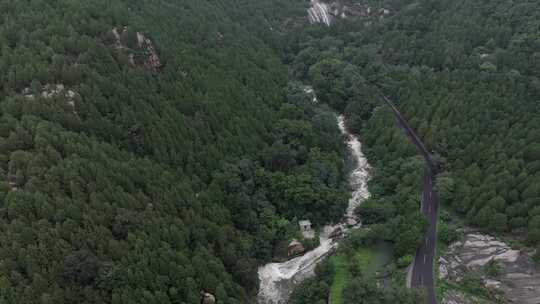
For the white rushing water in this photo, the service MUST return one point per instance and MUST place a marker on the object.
(278, 279)
(319, 12)
(359, 176)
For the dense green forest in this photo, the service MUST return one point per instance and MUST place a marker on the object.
(332, 60)
(153, 150)
(466, 76)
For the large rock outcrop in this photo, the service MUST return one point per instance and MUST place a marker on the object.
(139, 48)
(518, 279)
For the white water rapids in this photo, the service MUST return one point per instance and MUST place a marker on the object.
(278, 279)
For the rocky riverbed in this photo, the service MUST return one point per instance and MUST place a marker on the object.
(516, 279)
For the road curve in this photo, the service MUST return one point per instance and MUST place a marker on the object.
(424, 260)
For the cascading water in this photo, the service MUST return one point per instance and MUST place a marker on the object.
(359, 176)
(278, 279)
(319, 12)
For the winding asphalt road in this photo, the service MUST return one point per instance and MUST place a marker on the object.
(421, 274)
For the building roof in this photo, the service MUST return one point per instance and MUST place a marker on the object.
(295, 242)
(304, 223)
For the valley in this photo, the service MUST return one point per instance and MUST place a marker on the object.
(172, 152)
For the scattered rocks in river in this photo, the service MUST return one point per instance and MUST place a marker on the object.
(518, 279)
(337, 233)
(279, 279)
(295, 248)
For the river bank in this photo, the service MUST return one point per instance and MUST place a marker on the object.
(277, 280)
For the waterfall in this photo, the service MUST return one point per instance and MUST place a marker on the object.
(277, 280)
(319, 12)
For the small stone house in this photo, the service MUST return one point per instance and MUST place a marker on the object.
(306, 230)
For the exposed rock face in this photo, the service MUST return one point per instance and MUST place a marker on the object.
(492, 284)
(310, 92)
(208, 298)
(362, 10)
(443, 268)
(455, 297)
(49, 91)
(519, 280)
(148, 59)
(152, 60)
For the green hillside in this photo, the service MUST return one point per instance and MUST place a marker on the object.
(151, 150)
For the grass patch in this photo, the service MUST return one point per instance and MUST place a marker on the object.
(341, 278)
(446, 218)
(364, 259)
(474, 297)
(440, 284)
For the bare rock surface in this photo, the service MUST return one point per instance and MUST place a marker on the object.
(49, 91)
(456, 297)
(311, 93)
(519, 279)
(149, 58)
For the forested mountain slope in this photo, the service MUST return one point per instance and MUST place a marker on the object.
(473, 96)
(151, 150)
(467, 77)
